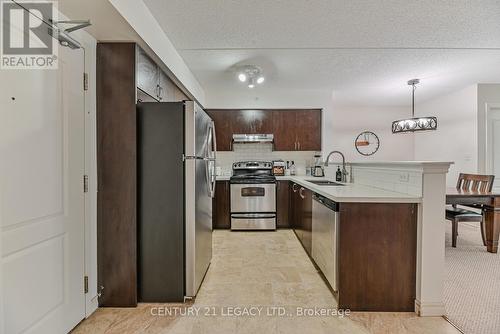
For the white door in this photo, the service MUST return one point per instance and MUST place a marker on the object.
(493, 145)
(41, 197)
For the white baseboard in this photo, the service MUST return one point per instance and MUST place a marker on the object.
(429, 309)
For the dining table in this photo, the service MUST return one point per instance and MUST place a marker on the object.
(489, 201)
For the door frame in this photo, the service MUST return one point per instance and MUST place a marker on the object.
(489, 108)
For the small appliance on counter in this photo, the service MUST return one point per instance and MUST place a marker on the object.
(317, 169)
(278, 167)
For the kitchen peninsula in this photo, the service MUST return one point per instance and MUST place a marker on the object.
(385, 216)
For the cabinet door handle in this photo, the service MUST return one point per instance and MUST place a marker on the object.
(293, 187)
(298, 145)
(300, 193)
(160, 90)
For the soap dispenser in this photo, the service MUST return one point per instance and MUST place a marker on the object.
(338, 175)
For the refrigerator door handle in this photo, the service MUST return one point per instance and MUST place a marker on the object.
(214, 141)
(191, 157)
(210, 159)
(214, 138)
(208, 162)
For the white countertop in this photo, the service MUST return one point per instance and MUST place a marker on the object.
(350, 192)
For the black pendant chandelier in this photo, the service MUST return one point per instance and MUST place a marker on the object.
(414, 123)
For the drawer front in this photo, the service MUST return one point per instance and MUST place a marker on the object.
(253, 222)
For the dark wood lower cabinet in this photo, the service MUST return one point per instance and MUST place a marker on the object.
(301, 214)
(306, 218)
(221, 216)
(377, 257)
(283, 204)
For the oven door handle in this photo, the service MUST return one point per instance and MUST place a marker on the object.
(253, 215)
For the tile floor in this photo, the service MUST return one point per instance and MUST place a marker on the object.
(257, 271)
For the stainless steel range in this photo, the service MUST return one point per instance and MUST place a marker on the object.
(253, 196)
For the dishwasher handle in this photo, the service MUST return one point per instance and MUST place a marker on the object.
(332, 205)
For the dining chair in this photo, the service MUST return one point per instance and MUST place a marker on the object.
(474, 183)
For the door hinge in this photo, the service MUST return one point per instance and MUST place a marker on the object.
(85, 183)
(85, 284)
(85, 81)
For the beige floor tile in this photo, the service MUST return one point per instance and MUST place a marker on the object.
(258, 269)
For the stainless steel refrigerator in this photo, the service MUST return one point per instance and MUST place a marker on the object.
(176, 184)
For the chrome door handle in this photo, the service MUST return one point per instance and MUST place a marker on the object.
(214, 138)
(300, 193)
(293, 187)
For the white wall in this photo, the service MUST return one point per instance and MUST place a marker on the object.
(456, 137)
(341, 126)
(486, 94)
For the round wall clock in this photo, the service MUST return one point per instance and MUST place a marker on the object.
(367, 143)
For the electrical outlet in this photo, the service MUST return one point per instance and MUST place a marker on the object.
(404, 177)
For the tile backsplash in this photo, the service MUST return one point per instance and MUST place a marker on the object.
(262, 152)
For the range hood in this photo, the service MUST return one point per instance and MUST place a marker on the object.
(254, 138)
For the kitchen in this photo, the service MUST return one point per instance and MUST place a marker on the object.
(261, 177)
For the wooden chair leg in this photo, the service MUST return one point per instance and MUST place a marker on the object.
(483, 232)
(454, 233)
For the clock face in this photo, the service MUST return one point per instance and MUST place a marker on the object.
(367, 143)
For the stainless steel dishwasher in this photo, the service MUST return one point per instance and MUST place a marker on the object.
(325, 236)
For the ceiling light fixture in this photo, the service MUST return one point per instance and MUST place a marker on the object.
(414, 123)
(242, 77)
(251, 82)
(251, 75)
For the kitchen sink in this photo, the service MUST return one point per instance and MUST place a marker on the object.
(325, 183)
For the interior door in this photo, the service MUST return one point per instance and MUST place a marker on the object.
(493, 145)
(41, 197)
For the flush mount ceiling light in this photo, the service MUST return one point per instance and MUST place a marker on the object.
(414, 123)
(251, 75)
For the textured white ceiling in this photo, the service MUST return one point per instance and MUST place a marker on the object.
(327, 23)
(361, 52)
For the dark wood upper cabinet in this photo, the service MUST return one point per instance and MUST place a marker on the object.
(252, 121)
(284, 130)
(154, 84)
(223, 131)
(294, 130)
(148, 75)
(166, 88)
(308, 130)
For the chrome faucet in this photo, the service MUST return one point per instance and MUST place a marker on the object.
(344, 170)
